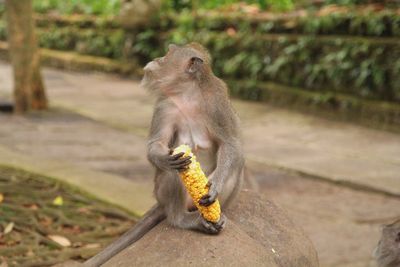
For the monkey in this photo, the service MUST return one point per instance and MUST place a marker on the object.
(192, 108)
(387, 252)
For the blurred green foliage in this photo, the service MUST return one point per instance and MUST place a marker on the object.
(254, 51)
(179, 5)
(366, 68)
(111, 7)
(347, 2)
(92, 7)
(354, 52)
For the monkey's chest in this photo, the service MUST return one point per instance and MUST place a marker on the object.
(194, 134)
(191, 129)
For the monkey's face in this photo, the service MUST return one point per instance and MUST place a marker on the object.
(181, 64)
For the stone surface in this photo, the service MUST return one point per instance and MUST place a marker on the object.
(258, 233)
(343, 223)
(132, 196)
(335, 151)
(263, 221)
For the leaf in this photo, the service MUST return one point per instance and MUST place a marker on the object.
(58, 201)
(1, 197)
(33, 207)
(61, 240)
(93, 245)
(8, 228)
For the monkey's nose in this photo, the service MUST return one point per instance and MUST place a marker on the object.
(150, 66)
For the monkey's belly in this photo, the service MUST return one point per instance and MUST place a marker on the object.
(190, 206)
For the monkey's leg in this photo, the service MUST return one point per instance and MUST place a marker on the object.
(145, 224)
(231, 188)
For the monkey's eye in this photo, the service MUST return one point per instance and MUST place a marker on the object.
(398, 237)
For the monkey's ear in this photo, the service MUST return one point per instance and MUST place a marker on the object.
(195, 64)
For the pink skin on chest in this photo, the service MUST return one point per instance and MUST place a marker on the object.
(190, 123)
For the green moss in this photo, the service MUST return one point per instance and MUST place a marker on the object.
(101, 42)
(352, 22)
(3, 33)
(358, 66)
(377, 114)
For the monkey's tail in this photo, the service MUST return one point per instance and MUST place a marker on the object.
(146, 223)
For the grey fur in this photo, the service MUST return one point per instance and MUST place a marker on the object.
(215, 113)
(387, 253)
(191, 99)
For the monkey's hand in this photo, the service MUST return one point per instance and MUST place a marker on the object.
(212, 195)
(177, 162)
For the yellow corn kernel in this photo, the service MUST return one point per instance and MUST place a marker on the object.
(195, 182)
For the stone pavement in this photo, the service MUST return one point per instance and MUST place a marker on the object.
(100, 121)
(343, 223)
(336, 151)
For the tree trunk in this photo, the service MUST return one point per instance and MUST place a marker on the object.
(29, 92)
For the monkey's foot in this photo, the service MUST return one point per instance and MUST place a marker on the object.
(221, 223)
(208, 227)
(213, 228)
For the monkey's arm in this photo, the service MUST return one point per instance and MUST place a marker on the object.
(229, 161)
(160, 155)
(158, 150)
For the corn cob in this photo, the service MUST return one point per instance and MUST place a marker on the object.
(195, 182)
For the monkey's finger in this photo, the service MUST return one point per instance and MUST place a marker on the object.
(209, 227)
(179, 159)
(206, 200)
(209, 198)
(221, 223)
(180, 166)
(182, 169)
(209, 183)
(177, 156)
(184, 161)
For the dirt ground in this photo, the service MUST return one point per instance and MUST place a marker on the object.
(343, 223)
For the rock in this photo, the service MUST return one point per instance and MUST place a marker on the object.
(258, 233)
(387, 253)
(262, 220)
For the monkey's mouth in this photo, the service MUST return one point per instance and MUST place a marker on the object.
(151, 66)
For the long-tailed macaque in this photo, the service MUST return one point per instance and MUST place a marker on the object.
(192, 108)
(387, 253)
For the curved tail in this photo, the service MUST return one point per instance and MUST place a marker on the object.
(145, 224)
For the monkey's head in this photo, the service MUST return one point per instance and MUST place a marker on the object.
(181, 66)
(387, 253)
